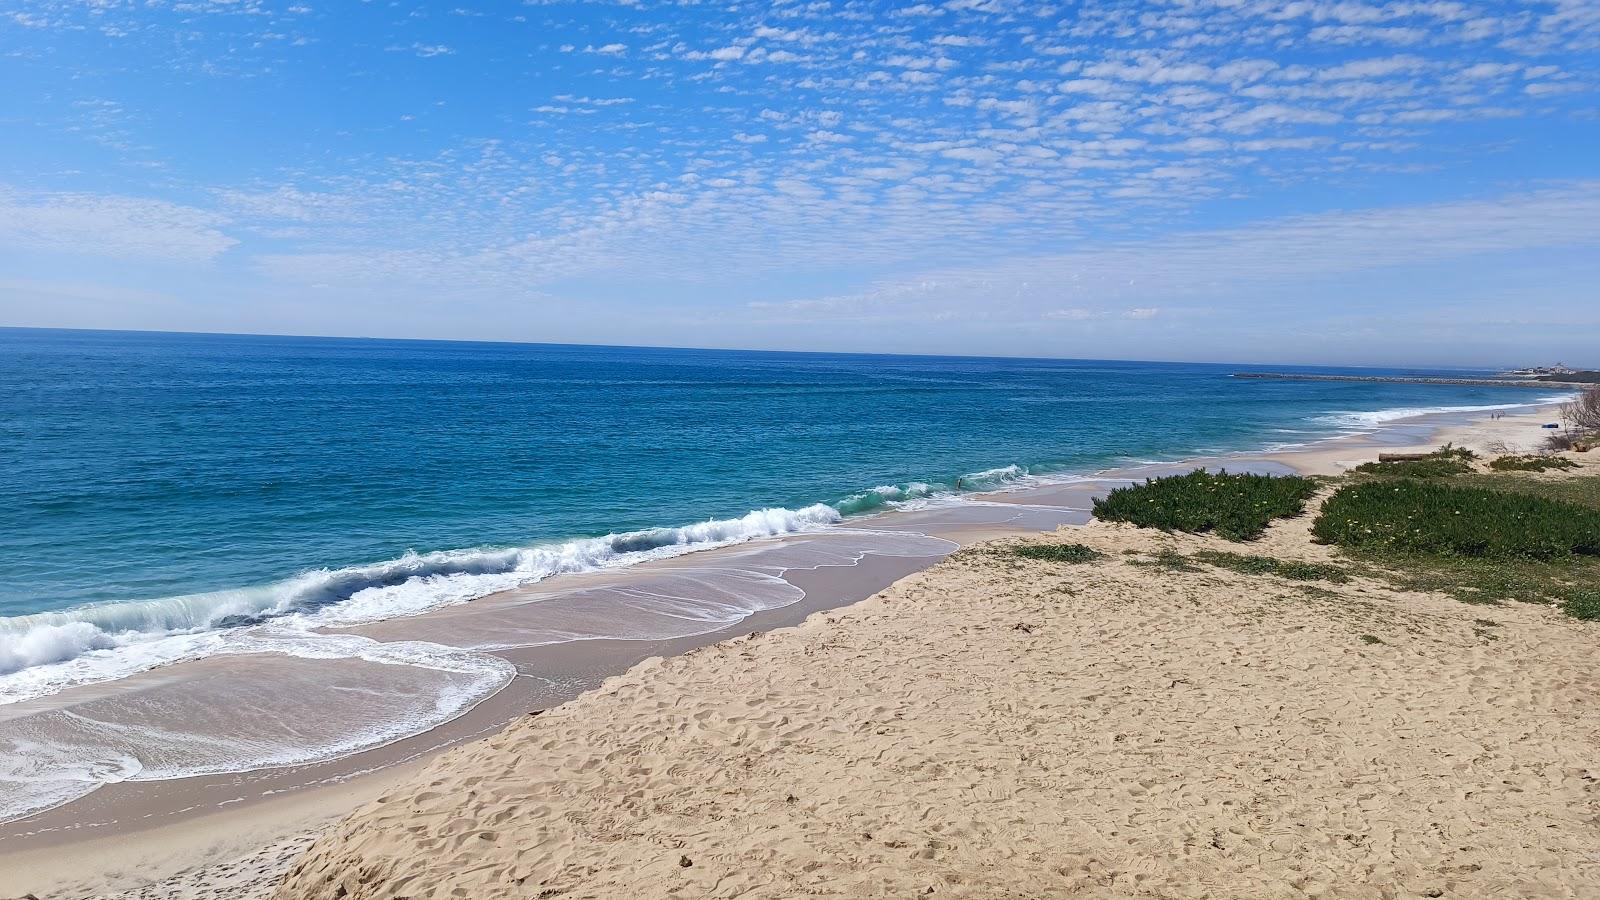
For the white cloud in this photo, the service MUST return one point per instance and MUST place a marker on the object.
(707, 150)
(1270, 114)
(1218, 265)
(1374, 68)
(88, 225)
(1075, 314)
(981, 155)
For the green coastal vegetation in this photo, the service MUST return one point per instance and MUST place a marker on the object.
(1499, 538)
(1414, 516)
(1237, 507)
(1165, 560)
(1061, 553)
(1293, 570)
(1441, 463)
(1531, 463)
(1435, 522)
(1582, 490)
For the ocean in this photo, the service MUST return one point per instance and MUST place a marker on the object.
(176, 497)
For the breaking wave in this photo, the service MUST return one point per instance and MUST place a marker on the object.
(113, 640)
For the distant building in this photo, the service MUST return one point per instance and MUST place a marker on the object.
(1537, 371)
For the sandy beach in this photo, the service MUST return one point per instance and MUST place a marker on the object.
(986, 727)
(969, 448)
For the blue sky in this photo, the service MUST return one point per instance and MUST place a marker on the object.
(1312, 180)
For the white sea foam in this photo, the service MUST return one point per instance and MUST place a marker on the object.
(260, 714)
(128, 654)
(919, 495)
(52, 756)
(993, 478)
(40, 774)
(888, 495)
(47, 652)
(1368, 420)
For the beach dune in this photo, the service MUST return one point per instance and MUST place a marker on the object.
(997, 727)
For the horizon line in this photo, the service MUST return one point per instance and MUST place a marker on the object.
(529, 343)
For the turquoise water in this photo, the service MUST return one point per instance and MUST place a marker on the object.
(163, 483)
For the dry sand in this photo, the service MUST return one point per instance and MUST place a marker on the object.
(1518, 433)
(1000, 728)
(994, 727)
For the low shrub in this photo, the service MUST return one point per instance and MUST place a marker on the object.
(1423, 517)
(1237, 507)
(1441, 463)
(1558, 442)
(1415, 468)
(1531, 463)
(1293, 570)
(1061, 553)
(1583, 411)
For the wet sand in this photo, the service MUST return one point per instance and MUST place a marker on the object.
(136, 832)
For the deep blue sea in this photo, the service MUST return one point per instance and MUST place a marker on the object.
(161, 483)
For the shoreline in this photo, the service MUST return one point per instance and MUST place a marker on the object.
(1141, 715)
(191, 837)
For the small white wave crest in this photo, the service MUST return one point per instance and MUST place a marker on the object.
(914, 495)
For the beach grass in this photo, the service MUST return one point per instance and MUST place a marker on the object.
(1237, 507)
(1059, 553)
(1531, 463)
(1165, 560)
(1293, 570)
(1567, 583)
